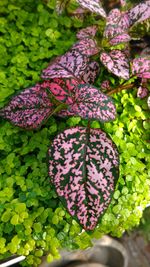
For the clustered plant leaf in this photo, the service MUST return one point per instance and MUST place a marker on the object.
(83, 162)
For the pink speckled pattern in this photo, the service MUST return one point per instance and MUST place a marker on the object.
(91, 72)
(142, 92)
(121, 38)
(91, 104)
(72, 64)
(105, 85)
(87, 32)
(141, 67)
(93, 5)
(139, 13)
(83, 166)
(62, 89)
(118, 18)
(117, 26)
(116, 62)
(87, 47)
(29, 108)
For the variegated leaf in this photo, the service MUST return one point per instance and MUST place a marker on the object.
(112, 31)
(139, 13)
(29, 109)
(141, 67)
(118, 18)
(62, 89)
(117, 63)
(88, 32)
(84, 168)
(93, 5)
(91, 72)
(72, 64)
(91, 103)
(142, 92)
(117, 24)
(87, 47)
(105, 85)
(122, 38)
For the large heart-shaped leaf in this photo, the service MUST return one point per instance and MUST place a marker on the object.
(87, 47)
(93, 5)
(139, 13)
(72, 64)
(90, 103)
(141, 67)
(28, 109)
(87, 32)
(116, 62)
(83, 166)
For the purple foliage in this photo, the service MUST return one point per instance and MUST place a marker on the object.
(87, 32)
(83, 166)
(112, 31)
(142, 92)
(91, 72)
(105, 85)
(117, 26)
(29, 108)
(118, 18)
(62, 89)
(139, 13)
(87, 47)
(93, 5)
(116, 62)
(72, 64)
(90, 103)
(141, 67)
(122, 38)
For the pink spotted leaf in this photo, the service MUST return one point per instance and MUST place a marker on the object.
(91, 103)
(93, 5)
(116, 62)
(62, 89)
(142, 92)
(91, 72)
(141, 67)
(72, 64)
(87, 47)
(88, 32)
(122, 38)
(139, 13)
(29, 109)
(118, 19)
(84, 168)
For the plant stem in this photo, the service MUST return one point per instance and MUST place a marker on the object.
(120, 88)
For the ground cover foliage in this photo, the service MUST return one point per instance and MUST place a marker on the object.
(33, 220)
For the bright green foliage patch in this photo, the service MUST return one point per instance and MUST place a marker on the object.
(33, 222)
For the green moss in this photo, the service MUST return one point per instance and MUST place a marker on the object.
(32, 219)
